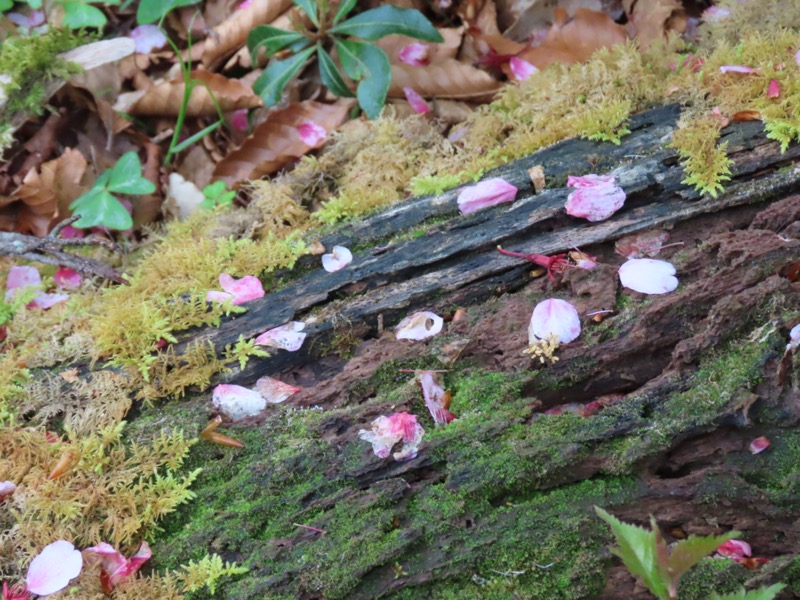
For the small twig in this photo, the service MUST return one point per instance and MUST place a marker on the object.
(310, 527)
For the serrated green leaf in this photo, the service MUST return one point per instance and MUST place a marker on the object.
(344, 9)
(639, 550)
(150, 11)
(126, 176)
(78, 14)
(387, 19)
(759, 594)
(104, 210)
(272, 38)
(310, 8)
(330, 75)
(687, 553)
(272, 81)
(371, 92)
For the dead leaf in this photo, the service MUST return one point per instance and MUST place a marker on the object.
(70, 375)
(96, 54)
(653, 19)
(447, 79)
(536, 173)
(746, 115)
(519, 19)
(392, 44)
(639, 245)
(276, 142)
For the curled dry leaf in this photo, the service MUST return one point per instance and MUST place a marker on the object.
(639, 245)
(276, 142)
(447, 79)
(653, 19)
(166, 97)
(231, 34)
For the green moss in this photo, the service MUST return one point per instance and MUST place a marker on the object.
(712, 575)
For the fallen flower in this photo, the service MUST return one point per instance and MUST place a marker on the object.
(237, 402)
(419, 326)
(115, 568)
(415, 54)
(759, 444)
(555, 264)
(521, 69)
(437, 400)
(67, 278)
(648, 276)
(417, 102)
(554, 317)
(736, 69)
(53, 568)
(7, 488)
(23, 276)
(339, 258)
(147, 38)
(238, 290)
(773, 89)
(286, 337)
(274, 391)
(311, 133)
(485, 194)
(596, 197)
(639, 245)
(388, 431)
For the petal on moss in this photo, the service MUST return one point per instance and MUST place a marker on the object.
(239, 290)
(419, 326)
(417, 102)
(385, 432)
(339, 258)
(53, 568)
(774, 89)
(554, 317)
(648, 276)
(275, 391)
(736, 69)
(311, 133)
(485, 194)
(415, 54)
(115, 568)
(286, 337)
(20, 277)
(7, 488)
(521, 69)
(67, 278)
(237, 402)
(437, 400)
(759, 444)
(596, 197)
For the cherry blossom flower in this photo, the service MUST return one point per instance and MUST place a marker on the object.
(419, 326)
(736, 69)
(773, 89)
(239, 120)
(148, 38)
(596, 197)
(521, 69)
(639, 245)
(311, 133)
(758, 445)
(339, 258)
(485, 194)
(53, 568)
(436, 399)
(286, 337)
(385, 432)
(414, 54)
(115, 568)
(794, 338)
(15, 592)
(417, 102)
(23, 276)
(275, 391)
(555, 264)
(7, 488)
(648, 276)
(67, 278)
(238, 290)
(237, 402)
(554, 317)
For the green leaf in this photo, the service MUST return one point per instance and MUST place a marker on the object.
(272, 81)
(344, 9)
(102, 210)
(5, 5)
(639, 550)
(272, 38)
(88, 198)
(310, 8)
(387, 19)
(77, 14)
(330, 75)
(150, 11)
(687, 553)
(126, 176)
(759, 594)
(351, 64)
(371, 92)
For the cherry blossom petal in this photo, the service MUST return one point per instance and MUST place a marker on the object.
(648, 276)
(773, 89)
(735, 548)
(311, 133)
(147, 38)
(736, 69)
(485, 194)
(417, 102)
(53, 568)
(215, 296)
(797, 58)
(339, 258)
(286, 337)
(6, 489)
(45, 301)
(415, 54)
(385, 432)
(419, 326)
(67, 278)
(521, 69)
(794, 338)
(20, 277)
(245, 5)
(69, 232)
(240, 290)
(554, 317)
(639, 245)
(714, 14)
(759, 445)
(275, 391)
(581, 260)
(115, 568)
(239, 120)
(436, 399)
(237, 402)
(596, 197)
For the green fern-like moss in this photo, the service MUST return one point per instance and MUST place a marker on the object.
(705, 161)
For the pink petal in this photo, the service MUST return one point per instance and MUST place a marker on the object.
(415, 54)
(244, 5)
(388, 431)
(648, 276)
(595, 198)
(20, 277)
(797, 58)
(215, 296)
(714, 14)
(794, 338)
(436, 398)
(245, 289)
(237, 402)
(285, 337)
(148, 38)
(53, 568)
(417, 102)
(521, 69)
(736, 69)
(7, 488)
(311, 133)
(274, 391)
(339, 258)
(638, 245)
(759, 445)
(116, 568)
(485, 194)
(419, 326)
(554, 316)
(584, 261)
(45, 301)
(67, 278)
(69, 232)
(774, 89)
(239, 120)
(735, 548)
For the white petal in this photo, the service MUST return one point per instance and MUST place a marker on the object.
(794, 338)
(339, 258)
(554, 317)
(419, 326)
(53, 568)
(285, 337)
(237, 402)
(648, 276)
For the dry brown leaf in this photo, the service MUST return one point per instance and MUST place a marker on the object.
(481, 19)
(276, 142)
(242, 58)
(450, 112)
(232, 33)
(392, 44)
(165, 98)
(447, 79)
(519, 19)
(70, 375)
(653, 19)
